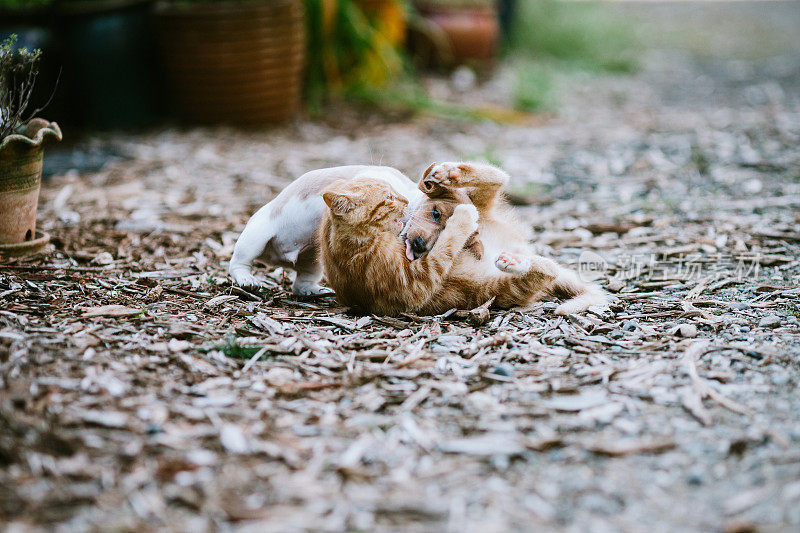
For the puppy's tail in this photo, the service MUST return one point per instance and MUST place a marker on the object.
(580, 294)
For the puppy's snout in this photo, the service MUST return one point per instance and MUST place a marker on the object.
(418, 246)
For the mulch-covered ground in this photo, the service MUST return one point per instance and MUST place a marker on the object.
(140, 390)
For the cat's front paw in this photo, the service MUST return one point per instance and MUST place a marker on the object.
(512, 263)
(468, 215)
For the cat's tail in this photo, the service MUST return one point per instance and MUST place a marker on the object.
(580, 294)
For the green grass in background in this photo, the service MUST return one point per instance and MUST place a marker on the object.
(533, 86)
(584, 34)
(552, 39)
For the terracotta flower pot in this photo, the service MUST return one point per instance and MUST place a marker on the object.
(20, 179)
(234, 62)
(459, 33)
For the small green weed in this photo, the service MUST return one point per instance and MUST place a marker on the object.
(233, 347)
(792, 311)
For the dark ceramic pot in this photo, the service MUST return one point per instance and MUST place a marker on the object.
(20, 179)
(110, 74)
(233, 62)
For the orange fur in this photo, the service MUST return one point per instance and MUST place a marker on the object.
(365, 263)
(363, 257)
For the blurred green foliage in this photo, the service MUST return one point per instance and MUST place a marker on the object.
(407, 95)
(585, 34)
(345, 50)
(533, 86)
(552, 39)
(16, 4)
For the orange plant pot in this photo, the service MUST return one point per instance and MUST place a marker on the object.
(465, 33)
(20, 180)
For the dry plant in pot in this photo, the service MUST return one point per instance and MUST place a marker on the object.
(22, 140)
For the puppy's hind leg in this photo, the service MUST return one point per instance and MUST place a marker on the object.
(309, 274)
(250, 246)
(538, 274)
(582, 295)
(530, 275)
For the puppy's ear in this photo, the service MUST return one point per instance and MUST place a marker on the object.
(428, 187)
(338, 203)
(432, 188)
(428, 170)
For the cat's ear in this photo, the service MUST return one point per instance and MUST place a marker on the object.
(338, 203)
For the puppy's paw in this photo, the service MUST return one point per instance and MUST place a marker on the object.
(245, 279)
(469, 214)
(446, 173)
(310, 289)
(512, 263)
(442, 174)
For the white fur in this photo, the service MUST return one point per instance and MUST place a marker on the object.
(472, 213)
(288, 239)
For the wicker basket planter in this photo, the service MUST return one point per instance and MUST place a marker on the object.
(233, 62)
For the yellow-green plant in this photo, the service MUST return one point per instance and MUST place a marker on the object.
(345, 50)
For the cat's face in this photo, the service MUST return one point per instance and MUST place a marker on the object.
(366, 204)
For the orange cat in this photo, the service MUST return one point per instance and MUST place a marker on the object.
(428, 271)
(363, 257)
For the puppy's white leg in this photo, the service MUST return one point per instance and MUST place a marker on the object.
(309, 274)
(249, 246)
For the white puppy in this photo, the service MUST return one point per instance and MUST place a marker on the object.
(283, 232)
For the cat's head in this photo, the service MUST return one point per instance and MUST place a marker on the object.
(429, 217)
(366, 204)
